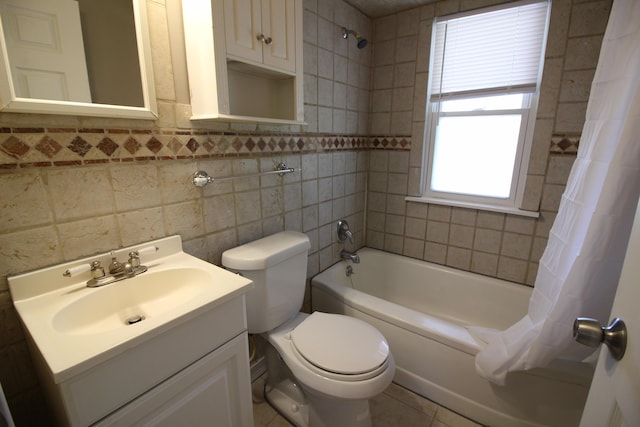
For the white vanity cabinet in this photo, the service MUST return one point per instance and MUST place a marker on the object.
(261, 32)
(161, 346)
(244, 60)
(209, 392)
(196, 374)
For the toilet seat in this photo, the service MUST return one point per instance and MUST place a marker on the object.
(340, 347)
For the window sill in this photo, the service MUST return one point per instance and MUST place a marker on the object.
(481, 206)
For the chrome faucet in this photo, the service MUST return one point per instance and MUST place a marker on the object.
(345, 254)
(344, 232)
(117, 270)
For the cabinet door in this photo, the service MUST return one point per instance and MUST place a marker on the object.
(242, 27)
(279, 24)
(215, 390)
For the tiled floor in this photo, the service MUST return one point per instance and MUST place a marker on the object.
(396, 407)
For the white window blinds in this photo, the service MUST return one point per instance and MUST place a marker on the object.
(499, 49)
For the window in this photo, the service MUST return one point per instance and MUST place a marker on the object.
(483, 90)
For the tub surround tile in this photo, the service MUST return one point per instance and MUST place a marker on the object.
(458, 258)
(484, 263)
(512, 269)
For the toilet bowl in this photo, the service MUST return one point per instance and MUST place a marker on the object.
(321, 368)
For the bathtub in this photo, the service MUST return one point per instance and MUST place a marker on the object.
(422, 310)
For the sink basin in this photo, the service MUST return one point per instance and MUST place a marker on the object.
(126, 303)
(75, 327)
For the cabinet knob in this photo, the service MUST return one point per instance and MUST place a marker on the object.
(266, 40)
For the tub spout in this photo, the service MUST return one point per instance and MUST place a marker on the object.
(345, 254)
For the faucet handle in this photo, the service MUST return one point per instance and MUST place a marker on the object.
(97, 270)
(344, 232)
(115, 266)
(134, 259)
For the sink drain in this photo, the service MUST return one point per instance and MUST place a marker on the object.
(134, 319)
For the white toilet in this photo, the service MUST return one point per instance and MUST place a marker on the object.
(321, 368)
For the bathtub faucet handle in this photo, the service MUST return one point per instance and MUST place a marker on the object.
(344, 232)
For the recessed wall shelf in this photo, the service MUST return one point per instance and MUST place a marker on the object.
(244, 60)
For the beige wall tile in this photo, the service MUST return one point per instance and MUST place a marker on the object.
(29, 249)
(458, 258)
(512, 269)
(484, 263)
(91, 188)
(141, 225)
(487, 240)
(516, 245)
(415, 228)
(393, 243)
(559, 169)
(272, 200)
(435, 252)
(25, 202)
(464, 216)
(570, 117)
(185, 219)
(135, 187)
(247, 207)
(589, 18)
(438, 232)
(558, 28)
(88, 236)
(582, 52)
(219, 213)
(461, 236)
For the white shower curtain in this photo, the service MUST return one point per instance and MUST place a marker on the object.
(581, 264)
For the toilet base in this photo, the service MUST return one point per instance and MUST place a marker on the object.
(283, 397)
(306, 408)
(325, 412)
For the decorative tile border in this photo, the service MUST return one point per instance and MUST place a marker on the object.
(563, 144)
(45, 147)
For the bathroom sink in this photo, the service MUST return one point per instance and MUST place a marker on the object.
(128, 302)
(76, 327)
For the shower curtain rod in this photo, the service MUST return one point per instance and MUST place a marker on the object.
(201, 178)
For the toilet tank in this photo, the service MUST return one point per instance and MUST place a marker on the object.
(277, 264)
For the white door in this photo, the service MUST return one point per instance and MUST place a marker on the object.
(46, 52)
(614, 397)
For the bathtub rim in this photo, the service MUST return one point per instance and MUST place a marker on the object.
(457, 337)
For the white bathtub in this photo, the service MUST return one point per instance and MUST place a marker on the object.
(422, 310)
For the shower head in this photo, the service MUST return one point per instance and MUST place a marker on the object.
(361, 41)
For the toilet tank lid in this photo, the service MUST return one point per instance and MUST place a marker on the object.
(266, 252)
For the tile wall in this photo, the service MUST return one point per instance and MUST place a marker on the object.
(73, 186)
(494, 244)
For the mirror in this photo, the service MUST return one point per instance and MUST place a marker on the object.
(79, 57)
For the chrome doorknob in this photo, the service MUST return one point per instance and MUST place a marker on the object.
(589, 332)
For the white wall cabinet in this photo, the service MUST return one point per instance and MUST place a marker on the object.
(261, 32)
(244, 59)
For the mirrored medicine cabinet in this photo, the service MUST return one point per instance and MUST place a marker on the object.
(76, 57)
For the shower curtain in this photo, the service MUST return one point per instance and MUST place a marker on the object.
(580, 267)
